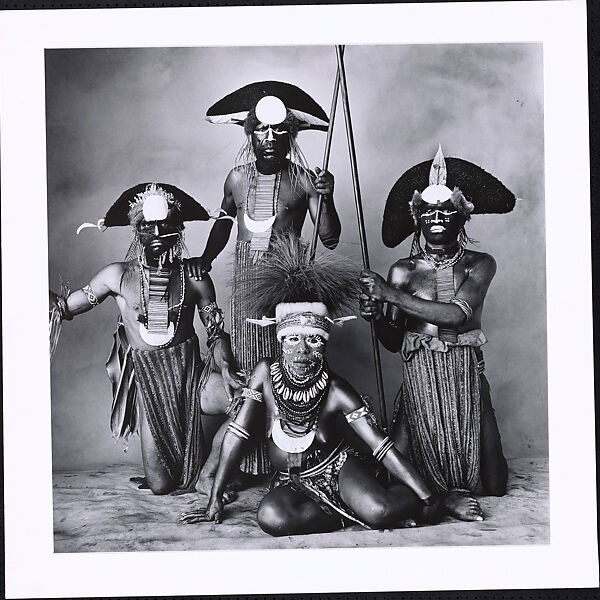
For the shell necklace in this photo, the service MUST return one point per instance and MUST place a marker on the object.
(445, 263)
(156, 330)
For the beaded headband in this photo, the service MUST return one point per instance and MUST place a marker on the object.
(304, 323)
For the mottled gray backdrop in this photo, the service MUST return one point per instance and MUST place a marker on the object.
(118, 117)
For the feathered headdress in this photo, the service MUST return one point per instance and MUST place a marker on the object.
(471, 189)
(304, 294)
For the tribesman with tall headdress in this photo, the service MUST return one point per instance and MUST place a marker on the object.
(269, 191)
(296, 401)
(444, 416)
(160, 384)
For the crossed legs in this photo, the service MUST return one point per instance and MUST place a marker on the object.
(284, 511)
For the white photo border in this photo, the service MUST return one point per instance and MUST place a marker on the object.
(33, 570)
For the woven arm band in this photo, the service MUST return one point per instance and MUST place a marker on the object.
(383, 448)
(464, 306)
(90, 295)
(252, 394)
(238, 431)
(359, 413)
(214, 322)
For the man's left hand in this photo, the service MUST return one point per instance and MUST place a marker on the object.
(324, 182)
(374, 285)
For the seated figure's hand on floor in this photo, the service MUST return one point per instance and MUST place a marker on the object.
(213, 512)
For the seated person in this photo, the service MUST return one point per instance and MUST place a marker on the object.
(156, 355)
(294, 399)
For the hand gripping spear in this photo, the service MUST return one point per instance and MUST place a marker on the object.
(340, 84)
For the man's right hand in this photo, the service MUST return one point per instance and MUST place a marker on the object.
(213, 512)
(370, 310)
(197, 267)
(53, 299)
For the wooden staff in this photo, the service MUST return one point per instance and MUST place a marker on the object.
(361, 223)
(336, 89)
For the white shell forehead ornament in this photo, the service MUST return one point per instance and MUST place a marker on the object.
(270, 110)
(155, 202)
(437, 192)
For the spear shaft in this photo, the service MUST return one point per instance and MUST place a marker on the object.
(336, 89)
(361, 222)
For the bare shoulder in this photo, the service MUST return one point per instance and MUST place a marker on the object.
(111, 276)
(480, 261)
(234, 179)
(305, 179)
(399, 272)
(260, 373)
(343, 396)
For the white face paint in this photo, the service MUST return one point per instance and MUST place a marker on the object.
(441, 224)
(303, 354)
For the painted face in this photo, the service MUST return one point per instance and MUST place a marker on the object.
(271, 143)
(441, 223)
(303, 354)
(158, 237)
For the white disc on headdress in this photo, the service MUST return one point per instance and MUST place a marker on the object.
(436, 193)
(155, 208)
(270, 110)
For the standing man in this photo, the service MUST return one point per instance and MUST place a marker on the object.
(269, 191)
(156, 356)
(444, 416)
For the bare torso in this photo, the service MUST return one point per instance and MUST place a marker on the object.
(327, 434)
(420, 281)
(114, 280)
(292, 203)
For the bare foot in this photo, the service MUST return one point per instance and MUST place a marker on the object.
(407, 523)
(141, 482)
(229, 495)
(462, 507)
(182, 491)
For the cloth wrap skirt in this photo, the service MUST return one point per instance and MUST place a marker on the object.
(440, 402)
(167, 383)
(319, 482)
(249, 342)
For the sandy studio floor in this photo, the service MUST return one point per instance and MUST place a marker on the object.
(100, 510)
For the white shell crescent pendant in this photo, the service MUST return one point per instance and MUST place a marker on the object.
(258, 226)
(287, 443)
(157, 339)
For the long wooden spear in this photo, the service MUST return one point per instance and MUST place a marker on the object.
(336, 90)
(361, 223)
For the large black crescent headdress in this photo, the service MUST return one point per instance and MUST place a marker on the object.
(234, 107)
(189, 209)
(486, 193)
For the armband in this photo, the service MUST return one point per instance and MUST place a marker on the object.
(363, 411)
(214, 321)
(238, 431)
(464, 306)
(252, 394)
(383, 448)
(359, 413)
(89, 294)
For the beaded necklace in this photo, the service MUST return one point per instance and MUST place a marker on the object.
(298, 403)
(144, 281)
(445, 263)
(262, 190)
